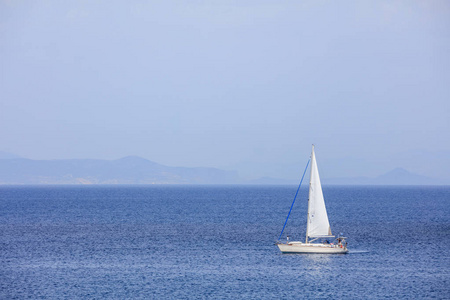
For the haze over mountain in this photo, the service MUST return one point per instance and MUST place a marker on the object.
(127, 170)
(397, 176)
(137, 170)
(7, 155)
(233, 85)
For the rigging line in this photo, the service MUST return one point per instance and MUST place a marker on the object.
(294, 199)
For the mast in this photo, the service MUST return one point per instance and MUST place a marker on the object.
(309, 194)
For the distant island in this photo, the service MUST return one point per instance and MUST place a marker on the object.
(127, 170)
(137, 170)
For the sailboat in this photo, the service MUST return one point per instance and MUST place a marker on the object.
(318, 230)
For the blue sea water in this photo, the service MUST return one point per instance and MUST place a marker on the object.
(217, 242)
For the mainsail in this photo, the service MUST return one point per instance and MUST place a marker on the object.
(317, 225)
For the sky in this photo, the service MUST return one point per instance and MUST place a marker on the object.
(240, 85)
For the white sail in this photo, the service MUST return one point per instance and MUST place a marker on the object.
(318, 225)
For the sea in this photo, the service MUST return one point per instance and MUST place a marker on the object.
(218, 242)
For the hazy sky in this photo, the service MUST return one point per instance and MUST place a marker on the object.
(246, 85)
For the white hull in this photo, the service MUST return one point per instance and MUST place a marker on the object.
(298, 247)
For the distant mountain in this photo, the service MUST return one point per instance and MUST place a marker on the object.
(127, 170)
(403, 177)
(398, 176)
(137, 170)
